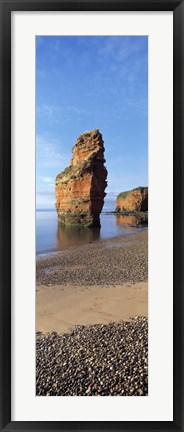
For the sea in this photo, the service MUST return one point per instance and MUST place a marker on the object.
(52, 236)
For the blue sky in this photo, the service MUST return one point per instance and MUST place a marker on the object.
(88, 82)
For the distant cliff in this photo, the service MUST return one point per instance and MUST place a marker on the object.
(133, 200)
(80, 188)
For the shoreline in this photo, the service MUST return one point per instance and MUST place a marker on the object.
(117, 260)
(91, 284)
(45, 254)
(91, 310)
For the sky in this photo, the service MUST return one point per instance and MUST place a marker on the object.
(84, 83)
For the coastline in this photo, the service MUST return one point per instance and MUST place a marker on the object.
(116, 260)
(97, 283)
(55, 251)
(91, 310)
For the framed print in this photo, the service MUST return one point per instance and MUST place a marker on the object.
(91, 219)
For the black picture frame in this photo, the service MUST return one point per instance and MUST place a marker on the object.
(6, 7)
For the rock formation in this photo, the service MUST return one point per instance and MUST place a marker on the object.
(80, 187)
(133, 200)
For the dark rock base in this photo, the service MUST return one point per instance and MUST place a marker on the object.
(80, 219)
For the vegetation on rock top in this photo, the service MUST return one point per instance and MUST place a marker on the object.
(123, 195)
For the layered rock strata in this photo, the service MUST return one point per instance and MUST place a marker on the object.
(80, 188)
(133, 200)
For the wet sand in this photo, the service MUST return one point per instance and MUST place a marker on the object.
(60, 308)
(87, 342)
(98, 283)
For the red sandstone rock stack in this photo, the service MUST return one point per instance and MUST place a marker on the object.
(133, 200)
(80, 188)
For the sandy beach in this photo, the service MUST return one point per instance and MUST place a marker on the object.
(96, 283)
(84, 290)
(60, 308)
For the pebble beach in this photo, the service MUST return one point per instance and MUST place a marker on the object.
(99, 360)
(113, 261)
(99, 345)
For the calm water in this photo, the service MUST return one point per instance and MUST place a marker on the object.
(51, 236)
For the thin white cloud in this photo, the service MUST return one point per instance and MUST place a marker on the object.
(50, 154)
(45, 200)
(48, 110)
(111, 194)
(39, 41)
(78, 110)
(58, 113)
(47, 179)
(50, 182)
(56, 45)
(123, 71)
(120, 48)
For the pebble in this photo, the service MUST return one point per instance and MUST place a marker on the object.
(97, 264)
(94, 360)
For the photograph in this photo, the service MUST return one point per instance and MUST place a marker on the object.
(91, 215)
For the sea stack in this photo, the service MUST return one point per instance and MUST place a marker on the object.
(80, 188)
(133, 200)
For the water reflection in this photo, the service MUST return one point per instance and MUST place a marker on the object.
(68, 235)
(128, 220)
(52, 236)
